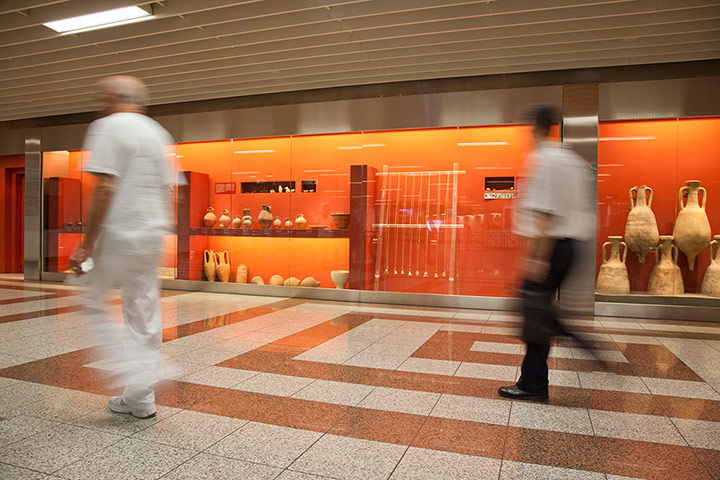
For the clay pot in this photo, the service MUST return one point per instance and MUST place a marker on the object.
(222, 270)
(237, 222)
(288, 224)
(247, 218)
(210, 218)
(309, 282)
(292, 282)
(340, 220)
(257, 281)
(209, 265)
(613, 276)
(300, 221)
(340, 278)
(666, 278)
(711, 282)
(276, 280)
(241, 274)
(277, 223)
(224, 219)
(641, 231)
(265, 218)
(692, 228)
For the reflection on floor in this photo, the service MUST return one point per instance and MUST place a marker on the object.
(260, 387)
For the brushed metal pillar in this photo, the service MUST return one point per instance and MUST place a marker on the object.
(580, 132)
(33, 209)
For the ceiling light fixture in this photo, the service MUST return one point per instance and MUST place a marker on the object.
(96, 21)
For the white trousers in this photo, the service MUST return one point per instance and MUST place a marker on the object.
(134, 345)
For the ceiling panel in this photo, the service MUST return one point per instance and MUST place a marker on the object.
(214, 49)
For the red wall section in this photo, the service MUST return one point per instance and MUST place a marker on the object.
(6, 214)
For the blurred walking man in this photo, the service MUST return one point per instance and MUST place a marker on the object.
(555, 211)
(129, 216)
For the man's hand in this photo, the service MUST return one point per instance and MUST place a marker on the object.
(77, 258)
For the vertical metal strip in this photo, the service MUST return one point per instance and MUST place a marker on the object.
(33, 209)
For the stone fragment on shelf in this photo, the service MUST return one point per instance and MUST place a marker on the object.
(276, 280)
(309, 282)
(257, 280)
(292, 282)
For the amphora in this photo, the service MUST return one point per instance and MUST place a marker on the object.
(641, 231)
(265, 218)
(209, 264)
(210, 218)
(692, 228)
(666, 278)
(711, 282)
(613, 276)
(225, 218)
(300, 221)
(223, 266)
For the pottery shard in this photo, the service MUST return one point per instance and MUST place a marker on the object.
(309, 282)
(276, 280)
(292, 282)
(257, 281)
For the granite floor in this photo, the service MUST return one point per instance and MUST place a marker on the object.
(277, 388)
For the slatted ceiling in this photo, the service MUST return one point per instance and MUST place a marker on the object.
(213, 49)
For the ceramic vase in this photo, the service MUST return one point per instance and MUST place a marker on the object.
(711, 282)
(222, 270)
(613, 276)
(276, 280)
(265, 218)
(247, 218)
(237, 222)
(340, 220)
(224, 219)
(641, 231)
(340, 278)
(309, 282)
(300, 221)
(666, 278)
(241, 274)
(210, 218)
(288, 223)
(692, 228)
(209, 264)
(277, 223)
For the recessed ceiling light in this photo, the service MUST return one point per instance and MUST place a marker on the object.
(96, 21)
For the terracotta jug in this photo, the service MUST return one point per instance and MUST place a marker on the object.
(613, 276)
(237, 222)
(300, 221)
(666, 278)
(692, 228)
(641, 231)
(209, 264)
(277, 223)
(224, 219)
(288, 223)
(265, 218)
(711, 282)
(210, 218)
(247, 218)
(242, 274)
(223, 266)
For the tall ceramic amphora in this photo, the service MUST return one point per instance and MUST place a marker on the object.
(711, 282)
(209, 264)
(641, 231)
(692, 228)
(666, 278)
(613, 276)
(223, 266)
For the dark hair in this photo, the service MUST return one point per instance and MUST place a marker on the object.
(543, 117)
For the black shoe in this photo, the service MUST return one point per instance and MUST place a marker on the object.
(516, 393)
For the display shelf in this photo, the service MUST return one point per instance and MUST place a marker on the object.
(72, 229)
(270, 233)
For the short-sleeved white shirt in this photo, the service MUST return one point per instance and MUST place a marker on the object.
(133, 148)
(558, 184)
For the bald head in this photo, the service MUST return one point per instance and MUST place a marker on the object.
(124, 93)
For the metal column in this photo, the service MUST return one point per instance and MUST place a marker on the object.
(33, 209)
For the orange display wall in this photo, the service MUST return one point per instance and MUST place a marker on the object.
(662, 154)
(12, 196)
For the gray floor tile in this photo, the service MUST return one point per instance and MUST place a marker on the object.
(192, 430)
(119, 424)
(14, 429)
(211, 467)
(699, 433)
(531, 471)
(9, 472)
(398, 400)
(334, 392)
(633, 426)
(550, 417)
(483, 410)
(420, 463)
(274, 384)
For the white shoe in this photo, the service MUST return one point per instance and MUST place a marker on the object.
(118, 405)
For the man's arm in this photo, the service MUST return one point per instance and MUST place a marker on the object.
(101, 201)
(541, 248)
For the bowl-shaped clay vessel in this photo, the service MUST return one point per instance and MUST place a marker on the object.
(340, 220)
(276, 280)
(257, 281)
(340, 278)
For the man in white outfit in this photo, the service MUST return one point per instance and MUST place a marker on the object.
(129, 216)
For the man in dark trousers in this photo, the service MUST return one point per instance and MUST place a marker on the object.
(554, 212)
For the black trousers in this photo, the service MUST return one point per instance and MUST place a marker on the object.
(534, 370)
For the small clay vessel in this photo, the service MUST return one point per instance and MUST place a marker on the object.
(237, 222)
(300, 221)
(224, 219)
(241, 274)
(692, 229)
(613, 276)
(711, 282)
(340, 220)
(288, 223)
(641, 231)
(209, 265)
(256, 280)
(276, 280)
(309, 282)
(210, 218)
(265, 218)
(247, 220)
(222, 270)
(340, 278)
(277, 223)
(292, 282)
(666, 278)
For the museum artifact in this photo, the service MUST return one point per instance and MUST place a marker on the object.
(277, 223)
(641, 231)
(292, 282)
(209, 264)
(309, 282)
(613, 276)
(666, 278)
(288, 224)
(692, 229)
(256, 280)
(300, 221)
(247, 220)
(241, 274)
(340, 278)
(210, 218)
(340, 220)
(224, 219)
(222, 268)
(237, 222)
(265, 218)
(276, 280)
(711, 282)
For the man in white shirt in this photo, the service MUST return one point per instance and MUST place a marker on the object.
(554, 212)
(129, 216)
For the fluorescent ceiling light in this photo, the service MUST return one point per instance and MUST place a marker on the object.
(318, 171)
(96, 21)
(353, 147)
